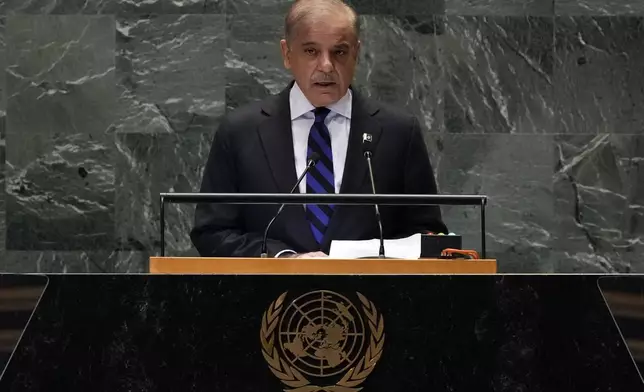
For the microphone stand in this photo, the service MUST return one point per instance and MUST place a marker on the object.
(381, 251)
(312, 161)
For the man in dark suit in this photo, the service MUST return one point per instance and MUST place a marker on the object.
(263, 147)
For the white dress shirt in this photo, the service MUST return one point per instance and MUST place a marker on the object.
(338, 121)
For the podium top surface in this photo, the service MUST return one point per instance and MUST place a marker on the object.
(318, 266)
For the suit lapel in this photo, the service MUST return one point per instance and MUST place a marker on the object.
(277, 140)
(355, 168)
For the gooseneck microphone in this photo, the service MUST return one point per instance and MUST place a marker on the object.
(313, 159)
(368, 153)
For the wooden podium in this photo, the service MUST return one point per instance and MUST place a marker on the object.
(318, 266)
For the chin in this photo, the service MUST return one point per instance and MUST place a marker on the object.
(326, 98)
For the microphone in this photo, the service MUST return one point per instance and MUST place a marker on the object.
(313, 159)
(367, 138)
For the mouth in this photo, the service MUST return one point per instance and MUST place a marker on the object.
(324, 84)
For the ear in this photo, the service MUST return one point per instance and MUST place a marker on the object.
(286, 52)
(357, 51)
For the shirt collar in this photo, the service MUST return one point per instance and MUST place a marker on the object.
(300, 105)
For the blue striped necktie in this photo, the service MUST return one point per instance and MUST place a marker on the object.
(320, 178)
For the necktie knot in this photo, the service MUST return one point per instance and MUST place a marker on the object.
(320, 114)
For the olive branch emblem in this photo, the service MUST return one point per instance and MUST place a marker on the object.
(294, 379)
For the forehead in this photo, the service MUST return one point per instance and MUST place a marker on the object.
(325, 30)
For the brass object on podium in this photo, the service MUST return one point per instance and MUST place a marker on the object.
(322, 334)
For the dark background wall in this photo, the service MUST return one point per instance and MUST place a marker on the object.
(537, 104)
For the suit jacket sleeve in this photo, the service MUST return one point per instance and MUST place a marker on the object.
(218, 228)
(419, 179)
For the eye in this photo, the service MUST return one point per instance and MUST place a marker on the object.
(310, 51)
(340, 52)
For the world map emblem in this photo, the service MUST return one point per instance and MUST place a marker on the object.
(322, 341)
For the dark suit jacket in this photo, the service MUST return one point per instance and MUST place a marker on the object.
(252, 152)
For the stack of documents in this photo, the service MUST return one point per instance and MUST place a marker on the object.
(402, 248)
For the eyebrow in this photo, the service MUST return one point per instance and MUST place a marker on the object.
(342, 45)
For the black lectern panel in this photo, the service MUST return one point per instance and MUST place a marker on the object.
(322, 333)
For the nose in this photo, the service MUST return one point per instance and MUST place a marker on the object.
(324, 62)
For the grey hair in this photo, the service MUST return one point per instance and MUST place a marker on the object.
(303, 9)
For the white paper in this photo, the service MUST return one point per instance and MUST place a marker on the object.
(403, 248)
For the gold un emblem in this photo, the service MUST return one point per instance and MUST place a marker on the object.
(322, 336)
